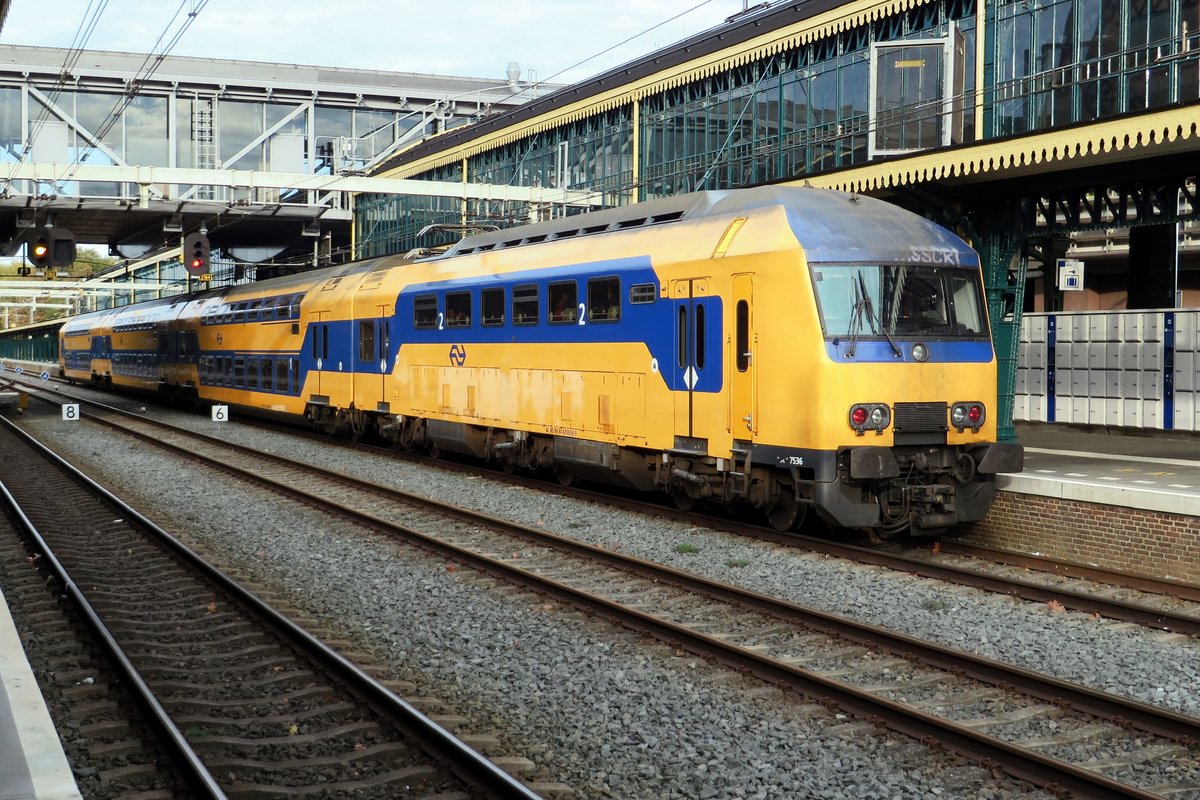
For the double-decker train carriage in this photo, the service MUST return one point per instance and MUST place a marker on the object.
(780, 348)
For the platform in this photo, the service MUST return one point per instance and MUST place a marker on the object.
(32, 763)
(1158, 471)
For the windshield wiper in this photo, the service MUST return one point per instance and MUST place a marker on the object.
(855, 319)
(862, 303)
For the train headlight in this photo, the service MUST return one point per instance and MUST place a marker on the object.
(968, 414)
(869, 416)
(920, 352)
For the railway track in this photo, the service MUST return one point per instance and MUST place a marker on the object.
(965, 702)
(1162, 604)
(244, 702)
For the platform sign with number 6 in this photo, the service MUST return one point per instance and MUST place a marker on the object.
(220, 413)
(70, 411)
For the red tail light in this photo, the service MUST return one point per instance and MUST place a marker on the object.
(869, 416)
(968, 414)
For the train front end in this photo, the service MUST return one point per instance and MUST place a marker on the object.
(907, 374)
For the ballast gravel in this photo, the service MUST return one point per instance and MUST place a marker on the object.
(603, 710)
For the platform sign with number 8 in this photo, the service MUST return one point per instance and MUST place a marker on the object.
(70, 411)
(220, 413)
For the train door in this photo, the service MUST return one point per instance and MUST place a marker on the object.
(742, 382)
(691, 301)
(370, 388)
(320, 349)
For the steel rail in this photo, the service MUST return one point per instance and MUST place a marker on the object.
(437, 741)
(1019, 762)
(1126, 611)
(1071, 569)
(191, 768)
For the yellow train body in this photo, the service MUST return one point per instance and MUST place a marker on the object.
(751, 347)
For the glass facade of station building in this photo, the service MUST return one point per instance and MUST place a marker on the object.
(905, 83)
(190, 132)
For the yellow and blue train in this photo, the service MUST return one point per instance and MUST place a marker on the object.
(779, 348)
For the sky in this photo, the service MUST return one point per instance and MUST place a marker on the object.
(472, 38)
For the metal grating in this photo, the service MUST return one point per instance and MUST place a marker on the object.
(919, 417)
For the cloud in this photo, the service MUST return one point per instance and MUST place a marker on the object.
(464, 37)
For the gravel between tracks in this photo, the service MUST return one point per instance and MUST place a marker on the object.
(594, 707)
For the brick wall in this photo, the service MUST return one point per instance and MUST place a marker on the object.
(1146, 542)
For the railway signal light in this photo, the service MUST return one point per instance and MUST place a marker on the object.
(62, 247)
(39, 250)
(196, 253)
(52, 247)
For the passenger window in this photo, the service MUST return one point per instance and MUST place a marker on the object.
(425, 312)
(281, 374)
(458, 309)
(604, 299)
(642, 293)
(681, 336)
(252, 374)
(743, 336)
(525, 305)
(239, 371)
(492, 307)
(366, 341)
(562, 301)
(699, 336)
(268, 374)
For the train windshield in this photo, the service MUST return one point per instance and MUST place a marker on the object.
(899, 301)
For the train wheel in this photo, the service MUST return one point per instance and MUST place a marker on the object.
(885, 535)
(565, 476)
(683, 501)
(433, 451)
(788, 513)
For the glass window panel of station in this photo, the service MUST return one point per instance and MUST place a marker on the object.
(1189, 68)
(375, 131)
(1013, 66)
(333, 122)
(239, 124)
(146, 140)
(10, 123)
(909, 97)
(93, 110)
(853, 100)
(1054, 58)
(823, 100)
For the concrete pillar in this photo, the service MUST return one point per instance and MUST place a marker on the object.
(1153, 250)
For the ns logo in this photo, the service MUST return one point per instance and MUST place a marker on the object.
(458, 355)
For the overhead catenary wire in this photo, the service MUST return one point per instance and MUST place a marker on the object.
(87, 26)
